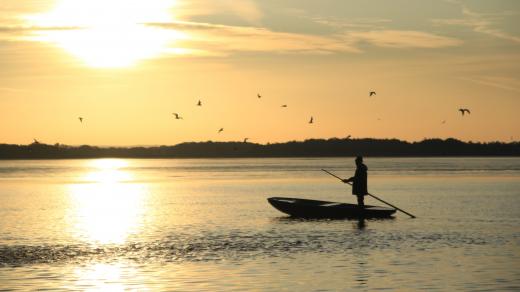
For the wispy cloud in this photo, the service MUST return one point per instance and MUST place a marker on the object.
(247, 10)
(20, 32)
(348, 36)
(403, 39)
(35, 28)
(205, 39)
(485, 23)
(12, 90)
(357, 23)
(226, 39)
(506, 83)
(210, 39)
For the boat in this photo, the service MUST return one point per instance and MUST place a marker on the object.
(304, 208)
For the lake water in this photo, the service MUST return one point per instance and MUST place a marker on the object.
(205, 225)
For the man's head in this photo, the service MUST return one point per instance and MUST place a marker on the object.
(359, 160)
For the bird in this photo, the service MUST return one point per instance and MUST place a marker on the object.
(199, 103)
(245, 140)
(80, 119)
(220, 130)
(462, 110)
(311, 120)
(284, 105)
(372, 93)
(258, 95)
(177, 117)
(444, 122)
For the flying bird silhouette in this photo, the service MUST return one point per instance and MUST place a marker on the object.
(311, 120)
(199, 103)
(220, 130)
(258, 95)
(372, 93)
(80, 119)
(245, 140)
(177, 117)
(444, 122)
(463, 110)
(284, 105)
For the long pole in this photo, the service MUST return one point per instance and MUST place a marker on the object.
(373, 196)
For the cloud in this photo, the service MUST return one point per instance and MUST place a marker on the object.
(246, 10)
(205, 39)
(10, 33)
(506, 83)
(226, 39)
(403, 39)
(243, 39)
(358, 23)
(11, 90)
(481, 23)
(35, 28)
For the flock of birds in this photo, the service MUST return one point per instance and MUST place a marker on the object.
(463, 111)
(258, 95)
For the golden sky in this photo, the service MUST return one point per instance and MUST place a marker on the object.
(125, 66)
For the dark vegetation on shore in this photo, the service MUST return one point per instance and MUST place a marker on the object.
(308, 148)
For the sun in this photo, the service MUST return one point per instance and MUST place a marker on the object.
(108, 33)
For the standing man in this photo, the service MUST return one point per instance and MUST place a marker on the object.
(359, 180)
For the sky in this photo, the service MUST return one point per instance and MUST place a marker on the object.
(126, 66)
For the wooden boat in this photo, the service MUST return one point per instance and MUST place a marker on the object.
(304, 208)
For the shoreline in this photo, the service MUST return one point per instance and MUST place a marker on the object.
(312, 148)
(262, 157)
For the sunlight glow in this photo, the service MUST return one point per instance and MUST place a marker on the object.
(108, 34)
(104, 277)
(108, 206)
(108, 171)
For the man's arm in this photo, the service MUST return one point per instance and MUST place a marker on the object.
(349, 180)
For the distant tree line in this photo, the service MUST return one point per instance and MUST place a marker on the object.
(333, 147)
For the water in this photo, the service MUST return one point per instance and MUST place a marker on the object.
(205, 225)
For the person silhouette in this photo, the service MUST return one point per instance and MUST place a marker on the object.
(359, 182)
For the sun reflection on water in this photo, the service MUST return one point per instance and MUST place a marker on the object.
(105, 277)
(107, 206)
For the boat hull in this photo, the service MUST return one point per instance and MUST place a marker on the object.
(304, 208)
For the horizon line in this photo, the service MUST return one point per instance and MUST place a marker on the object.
(262, 144)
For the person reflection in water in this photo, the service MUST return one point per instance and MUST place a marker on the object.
(361, 223)
(359, 182)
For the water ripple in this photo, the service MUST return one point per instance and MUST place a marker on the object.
(238, 245)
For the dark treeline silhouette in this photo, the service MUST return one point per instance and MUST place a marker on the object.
(309, 148)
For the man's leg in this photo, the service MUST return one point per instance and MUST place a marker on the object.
(361, 201)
